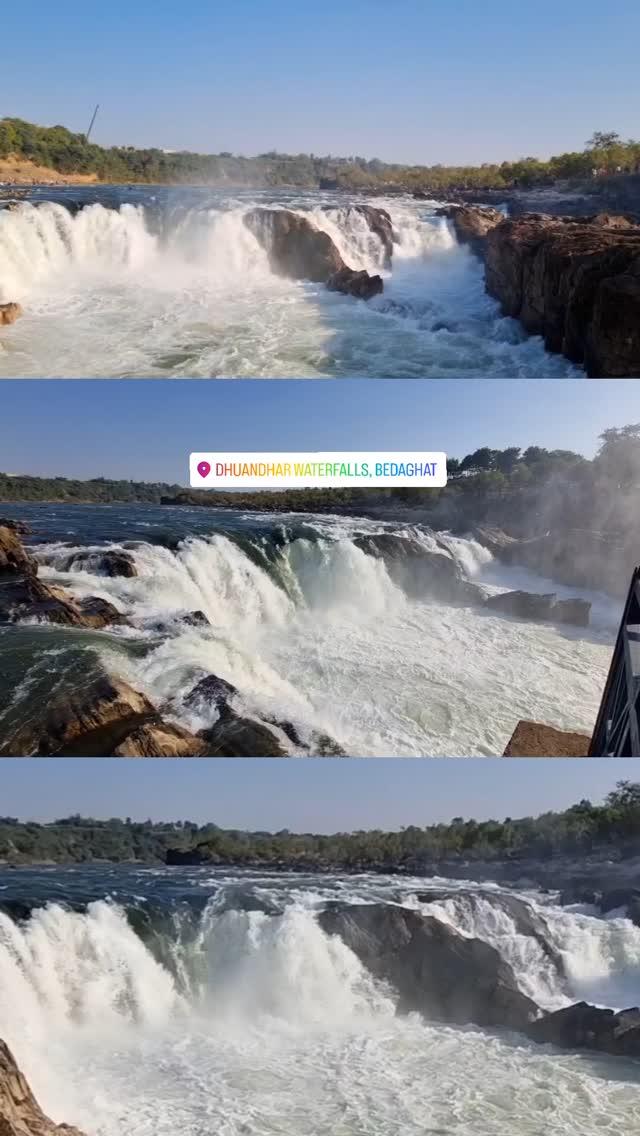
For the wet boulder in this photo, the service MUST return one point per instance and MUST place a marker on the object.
(526, 920)
(160, 739)
(294, 245)
(28, 597)
(96, 612)
(421, 571)
(210, 691)
(236, 736)
(352, 283)
(90, 720)
(20, 1113)
(525, 605)
(627, 898)
(14, 558)
(380, 223)
(103, 562)
(471, 223)
(9, 313)
(298, 249)
(575, 611)
(195, 619)
(545, 607)
(431, 967)
(19, 527)
(583, 1026)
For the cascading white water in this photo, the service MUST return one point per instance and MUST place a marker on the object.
(41, 242)
(321, 635)
(265, 1024)
(600, 957)
(185, 289)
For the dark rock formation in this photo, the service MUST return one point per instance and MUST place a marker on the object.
(627, 897)
(433, 969)
(420, 571)
(580, 558)
(379, 221)
(236, 736)
(471, 223)
(103, 562)
(526, 921)
(97, 613)
(9, 313)
(20, 1113)
(574, 611)
(24, 596)
(90, 721)
(353, 283)
(323, 746)
(582, 1026)
(160, 739)
(14, 559)
(526, 605)
(294, 245)
(296, 248)
(576, 283)
(189, 856)
(210, 691)
(20, 527)
(244, 735)
(531, 605)
(195, 619)
(534, 739)
(27, 597)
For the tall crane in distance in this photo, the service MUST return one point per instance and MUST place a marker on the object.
(93, 118)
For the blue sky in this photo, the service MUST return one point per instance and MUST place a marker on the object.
(145, 429)
(404, 80)
(321, 795)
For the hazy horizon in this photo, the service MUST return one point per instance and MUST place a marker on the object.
(307, 795)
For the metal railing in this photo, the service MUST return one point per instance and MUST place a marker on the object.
(617, 733)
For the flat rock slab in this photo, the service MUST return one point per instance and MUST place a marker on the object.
(533, 739)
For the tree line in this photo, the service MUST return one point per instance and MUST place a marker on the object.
(582, 828)
(486, 485)
(69, 153)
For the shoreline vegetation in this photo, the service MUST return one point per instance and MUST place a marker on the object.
(484, 472)
(65, 155)
(585, 829)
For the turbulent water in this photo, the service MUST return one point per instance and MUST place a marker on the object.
(192, 1001)
(309, 627)
(154, 283)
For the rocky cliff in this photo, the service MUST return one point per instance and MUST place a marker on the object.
(20, 1113)
(575, 282)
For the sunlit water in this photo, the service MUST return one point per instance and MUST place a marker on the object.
(310, 628)
(154, 283)
(235, 1013)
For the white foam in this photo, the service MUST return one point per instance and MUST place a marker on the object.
(136, 291)
(266, 1025)
(325, 638)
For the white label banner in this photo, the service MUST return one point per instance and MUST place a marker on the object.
(331, 469)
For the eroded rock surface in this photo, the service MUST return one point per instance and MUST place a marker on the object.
(432, 969)
(9, 313)
(20, 1113)
(300, 250)
(575, 282)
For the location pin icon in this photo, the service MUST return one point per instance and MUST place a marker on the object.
(204, 469)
